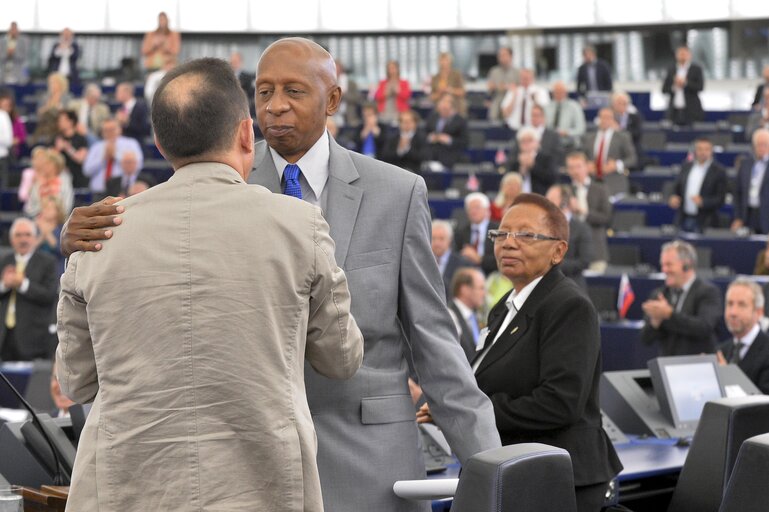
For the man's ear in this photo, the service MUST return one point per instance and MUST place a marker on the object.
(334, 99)
(160, 148)
(246, 135)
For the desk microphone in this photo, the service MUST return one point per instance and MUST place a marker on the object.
(58, 477)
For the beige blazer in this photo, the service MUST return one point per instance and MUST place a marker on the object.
(190, 330)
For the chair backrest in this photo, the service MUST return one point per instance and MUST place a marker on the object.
(724, 425)
(624, 255)
(616, 183)
(704, 257)
(604, 298)
(747, 490)
(625, 220)
(530, 476)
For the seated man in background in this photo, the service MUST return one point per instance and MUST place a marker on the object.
(537, 168)
(565, 116)
(406, 147)
(610, 149)
(120, 185)
(580, 253)
(591, 205)
(700, 190)
(470, 238)
(751, 191)
(91, 112)
(446, 133)
(468, 296)
(28, 292)
(681, 316)
(749, 346)
(103, 160)
(629, 120)
(449, 261)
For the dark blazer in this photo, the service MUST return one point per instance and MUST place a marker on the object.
(580, 253)
(413, 158)
(759, 95)
(54, 61)
(542, 377)
(602, 77)
(550, 144)
(34, 309)
(713, 192)
(462, 237)
(465, 332)
(455, 262)
(456, 128)
(756, 361)
(742, 189)
(138, 126)
(692, 330)
(598, 218)
(695, 81)
(379, 140)
(634, 128)
(543, 174)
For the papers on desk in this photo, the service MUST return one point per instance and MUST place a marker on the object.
(734, 390)
(13, 415)
(426, 489)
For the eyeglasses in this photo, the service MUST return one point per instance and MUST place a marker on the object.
(498, 236)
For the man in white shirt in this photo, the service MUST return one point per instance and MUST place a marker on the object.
(749, 346)
(700, 190)
(683, 83)
(468, 295)
(519, 99)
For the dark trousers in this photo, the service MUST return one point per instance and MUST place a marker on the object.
(690, 224)
(590, 498)
(754, 220)
(9, 352)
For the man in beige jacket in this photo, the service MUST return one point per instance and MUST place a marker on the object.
(190, 328)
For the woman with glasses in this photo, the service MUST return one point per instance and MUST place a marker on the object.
(540, 360)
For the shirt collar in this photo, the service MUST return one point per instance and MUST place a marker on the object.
(25, 258)
(314, 164)
(130, 104)
(748, 339)
(463, 309)
(688, 284)
(518, 298)
(482, 226)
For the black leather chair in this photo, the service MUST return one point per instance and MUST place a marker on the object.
(532, 477)
(723, 426)
(747, 490)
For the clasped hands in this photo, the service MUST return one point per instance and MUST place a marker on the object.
(657, 310)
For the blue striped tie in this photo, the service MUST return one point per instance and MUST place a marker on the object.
(293, 188)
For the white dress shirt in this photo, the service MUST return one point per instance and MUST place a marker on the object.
(314, 167)
(679, 100)
(694, 185)
(514, 304)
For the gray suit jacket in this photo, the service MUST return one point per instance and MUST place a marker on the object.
(620, 148)
(190, 329)
(367, 435)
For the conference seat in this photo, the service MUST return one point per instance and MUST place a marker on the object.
(724, 425)
(747, 490)
(624, 255)
(623, 221)
(532, 477)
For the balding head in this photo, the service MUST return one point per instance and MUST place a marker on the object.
(296, 91)
(197, 111)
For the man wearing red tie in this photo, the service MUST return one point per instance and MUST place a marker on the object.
(610, 149)
(470, 239)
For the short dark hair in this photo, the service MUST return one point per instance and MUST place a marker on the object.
(462, 277)
(703, 138)
(556, 220)
(208, 119)
(70, 114)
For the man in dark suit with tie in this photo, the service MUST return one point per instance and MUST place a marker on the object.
(700, 189)
(470, 239)
(28, 294)
(681, 316)
(446, 133)
(751, 192)
(683, 83)
(580, 253)
(749, 346)
(449, 261)
(594, 74)
(133, 113)
(468, 295)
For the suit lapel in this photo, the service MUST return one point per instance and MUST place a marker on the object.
(264, 172)
(343, 200)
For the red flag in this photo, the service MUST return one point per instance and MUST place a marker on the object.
(625, 297)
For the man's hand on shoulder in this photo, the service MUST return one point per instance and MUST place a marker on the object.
(89, 225)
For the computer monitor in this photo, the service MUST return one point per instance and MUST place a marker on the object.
(683, 385)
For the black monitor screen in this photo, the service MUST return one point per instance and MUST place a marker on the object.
(690, 387)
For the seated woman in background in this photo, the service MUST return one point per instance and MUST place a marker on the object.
(49, 178)
(49, 222)
(540, 360)
(509, 188)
